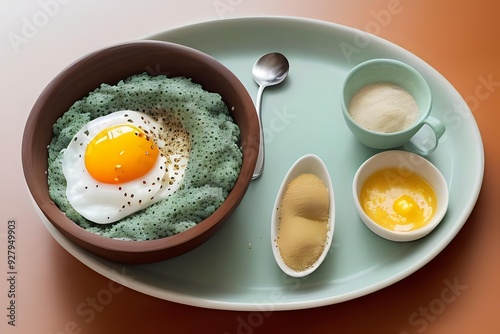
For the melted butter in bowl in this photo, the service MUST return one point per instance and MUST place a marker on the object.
(399, 195)
(303, 217)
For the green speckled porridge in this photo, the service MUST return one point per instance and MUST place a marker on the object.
(215, 158)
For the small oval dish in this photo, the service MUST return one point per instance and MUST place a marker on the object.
(397, 169)
(308, 249)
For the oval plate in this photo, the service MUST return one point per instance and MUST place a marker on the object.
(235, 270)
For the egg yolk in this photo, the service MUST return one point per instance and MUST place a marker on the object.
(398, 202)
(120, 154)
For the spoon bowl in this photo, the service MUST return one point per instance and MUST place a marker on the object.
(269, 70)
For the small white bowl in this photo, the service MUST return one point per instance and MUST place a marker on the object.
(310, 164)
(406, 163)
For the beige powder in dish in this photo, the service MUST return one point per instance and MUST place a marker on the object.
(383, 107)
(303, 228)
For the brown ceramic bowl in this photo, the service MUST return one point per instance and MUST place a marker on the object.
(110, 65)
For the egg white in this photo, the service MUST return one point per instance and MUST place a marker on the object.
(104, 203)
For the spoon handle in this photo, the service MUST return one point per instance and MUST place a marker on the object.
(260, 158)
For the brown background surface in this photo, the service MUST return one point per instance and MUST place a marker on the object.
(461, 40)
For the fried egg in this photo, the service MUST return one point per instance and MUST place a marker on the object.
(123, 162)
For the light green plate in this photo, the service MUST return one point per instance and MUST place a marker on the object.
(235, 269)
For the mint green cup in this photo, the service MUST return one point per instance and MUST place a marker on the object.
(400, 74)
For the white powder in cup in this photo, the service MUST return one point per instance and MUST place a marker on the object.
(383, 107)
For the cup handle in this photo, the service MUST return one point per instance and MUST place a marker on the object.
(419, 147)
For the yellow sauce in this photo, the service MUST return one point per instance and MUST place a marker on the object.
(303, 228)
(398, 201)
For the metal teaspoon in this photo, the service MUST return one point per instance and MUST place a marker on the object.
(269, 70)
